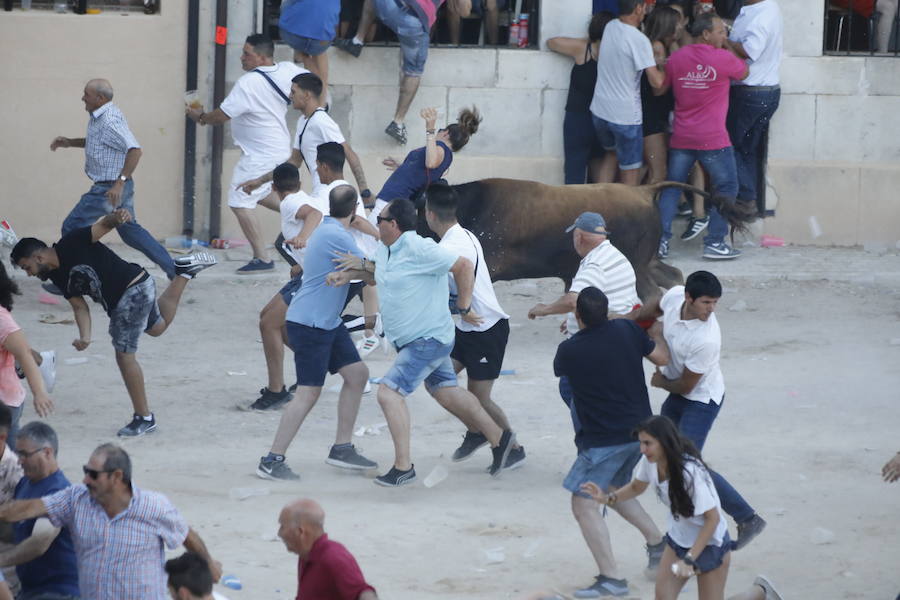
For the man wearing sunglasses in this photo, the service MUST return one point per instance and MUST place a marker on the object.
(120, 531)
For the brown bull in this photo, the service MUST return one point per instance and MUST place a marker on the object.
(521, 225)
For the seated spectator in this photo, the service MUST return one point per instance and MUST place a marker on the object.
(580, 145)
(190, 578)
(489, 10)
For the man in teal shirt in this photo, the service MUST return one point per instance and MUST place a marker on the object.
(411, 274)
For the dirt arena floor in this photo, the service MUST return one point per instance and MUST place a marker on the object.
(810, 356)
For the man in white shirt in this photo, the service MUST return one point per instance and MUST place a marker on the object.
(694, 380)
(479, 349)
(625, 53)
(756, 37)
(256, 107)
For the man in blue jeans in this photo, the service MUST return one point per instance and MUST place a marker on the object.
(700, 75)
(694, 380)
(111, 155)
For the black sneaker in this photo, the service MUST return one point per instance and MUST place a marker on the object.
(749, 530)
(396, 477)
(293, 388)
(654, 555)
(515, 459)
(192, 264)
(604, 586)
(348, 46)
(269, 400)
(256, 265)
(472, 441)
(276, 470)
(695, 227)
(501, 452)
(349, 458)
(685, 209)
(398, 132)
(138, 426)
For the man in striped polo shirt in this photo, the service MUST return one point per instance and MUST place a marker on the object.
(602, 266)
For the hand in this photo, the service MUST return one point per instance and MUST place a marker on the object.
(564, 326)
(472, 318)
(193, 113)
(43, 405)
(296, 270)
(337, 278)
(390, 163)
(658, 380)
(118, 217)
(891, 471)
(346, 261)
(682, 569)
(248, 186)
(114, 194)
(215, 567)
(297, 242)
(593, 490)
(81, 344)
(538, 310)
(60, 142)
(430, 115)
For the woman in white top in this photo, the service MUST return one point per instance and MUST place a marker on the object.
(697, 541)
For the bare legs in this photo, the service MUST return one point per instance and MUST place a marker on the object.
(249, 223)
(595, 533)
(491, 19)
(317, 64)
(274, 339)
(609, 165)
(655, 155)
(409, 85)
(710, 585)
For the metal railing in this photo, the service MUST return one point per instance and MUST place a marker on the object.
(862, 27)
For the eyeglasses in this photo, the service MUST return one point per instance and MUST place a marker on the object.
(25, 454)
(381, 219)
(93, 473)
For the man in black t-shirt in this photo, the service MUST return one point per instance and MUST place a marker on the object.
(603, 362)
(79, 265)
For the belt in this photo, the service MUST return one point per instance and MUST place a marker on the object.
(759, 88)
(111, 182)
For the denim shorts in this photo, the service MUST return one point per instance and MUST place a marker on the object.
(413, 36)
(320, 351)
(424, 359)
(136, 311)
(710, 559)
(626, 140)
(304, 44)
(606, 466)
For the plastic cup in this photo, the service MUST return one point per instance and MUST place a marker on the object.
(192, 99)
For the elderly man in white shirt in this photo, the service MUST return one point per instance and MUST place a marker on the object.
(256, 107)
(756, 37)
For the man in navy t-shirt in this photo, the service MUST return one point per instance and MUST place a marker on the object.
(44, 555)
(603, 362)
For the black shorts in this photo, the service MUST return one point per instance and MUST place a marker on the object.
(481, 352)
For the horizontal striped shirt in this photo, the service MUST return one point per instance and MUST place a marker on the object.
(119, 558)
(606, 269)
(107, 141)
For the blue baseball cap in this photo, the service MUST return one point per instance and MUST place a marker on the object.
(590, 222)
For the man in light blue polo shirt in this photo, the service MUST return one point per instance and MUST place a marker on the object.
(411, 273)
(322, 344)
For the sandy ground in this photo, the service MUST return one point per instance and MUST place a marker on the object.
(811, 348)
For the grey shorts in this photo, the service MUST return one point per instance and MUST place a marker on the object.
(137, 311)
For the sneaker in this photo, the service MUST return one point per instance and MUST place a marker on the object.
(654, 555)
(368, 387)
(604, 586)
(720, 251)
(694, 228)
(293, 388)
(366, 345)
(501, 452)
(348, 46)
(515, 459)
(269, 400)
(8, 237)
(398, 132)
(685, 210)
(663, 251)
(396, 477)
(276, 470)
(349, 458)
(749, 530)
(257, 265)
(138, 427)
(192, 264)
(763, 582)
(472, 441)
(48, 369)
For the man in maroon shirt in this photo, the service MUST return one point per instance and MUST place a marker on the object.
(326, 570)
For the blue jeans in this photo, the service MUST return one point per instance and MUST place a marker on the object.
(94, 205)
(749, 111)
(579, 144)
(723, 173)
(626, 140)
(424, 359)
(413, 36)
(694, 420)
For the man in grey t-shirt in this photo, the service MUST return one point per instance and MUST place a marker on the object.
(625, 53)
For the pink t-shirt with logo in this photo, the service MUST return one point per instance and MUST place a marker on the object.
(11, 391)
(700, 76)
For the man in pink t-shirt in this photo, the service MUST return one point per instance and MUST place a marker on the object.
(700, 75)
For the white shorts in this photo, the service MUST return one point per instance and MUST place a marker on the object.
(248, 168)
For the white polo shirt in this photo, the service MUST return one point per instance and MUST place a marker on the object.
(608, 270)
(694, 345)
(760, 30)
(257, 111)
(316, 130)
(291, 226)
(462, 242)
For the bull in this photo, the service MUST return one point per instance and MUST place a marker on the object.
(521, 226)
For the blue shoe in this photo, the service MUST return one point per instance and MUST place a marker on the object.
(256, 266)
(604, 586)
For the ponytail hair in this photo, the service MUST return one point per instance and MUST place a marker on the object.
(8, 288)
(465, 127)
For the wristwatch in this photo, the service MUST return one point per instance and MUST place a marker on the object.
(366, 193)
(465, 311)
(689, 560)
(122, 178)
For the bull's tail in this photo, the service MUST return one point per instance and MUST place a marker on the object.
(737, 214)
(655, 188)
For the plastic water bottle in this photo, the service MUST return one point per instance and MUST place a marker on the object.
(231, 581)
(514, 33)
(523, 31)
(183, 241)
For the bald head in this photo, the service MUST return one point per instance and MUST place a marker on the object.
(97, 92)
(305, 513)
(301, 523)
(100, 86)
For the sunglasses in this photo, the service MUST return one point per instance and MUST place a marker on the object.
(381, 219)
(93, 473)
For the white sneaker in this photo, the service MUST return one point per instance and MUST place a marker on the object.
(8, 237)
(48, 369)
(366, 345)
(368, 388)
